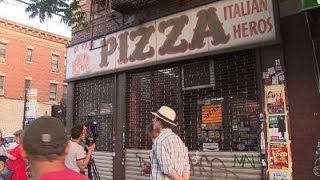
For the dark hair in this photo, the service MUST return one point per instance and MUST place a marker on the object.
(76, 131)
(166, 125)
(150, 128)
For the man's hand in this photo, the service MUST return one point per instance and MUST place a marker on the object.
(91, 148)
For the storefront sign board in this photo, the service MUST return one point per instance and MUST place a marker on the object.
(209, 29)
(211, 113)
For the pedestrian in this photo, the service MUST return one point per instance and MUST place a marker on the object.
(152, 133)
(170, 158)
(77, 158)
(45, 145)
(3, 145)
(15, 162)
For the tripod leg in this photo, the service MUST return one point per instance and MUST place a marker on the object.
(90, 170)
(95, 170)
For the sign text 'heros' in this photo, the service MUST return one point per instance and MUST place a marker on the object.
(210, 28)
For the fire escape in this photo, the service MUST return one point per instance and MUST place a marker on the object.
(113, 10)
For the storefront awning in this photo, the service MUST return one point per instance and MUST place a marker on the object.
(310, 4)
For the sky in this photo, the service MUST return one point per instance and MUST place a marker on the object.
(15, 11)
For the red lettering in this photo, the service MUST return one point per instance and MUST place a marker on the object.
(244, 29)
(236, 12)
(262, 26)
(237, 31)
(269, 24)
(253, 28)
(255, 7)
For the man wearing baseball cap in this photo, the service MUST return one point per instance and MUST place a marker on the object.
(45, 145)
(169, 156)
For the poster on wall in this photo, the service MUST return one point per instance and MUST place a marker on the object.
(279, 175)
(275, 100)
(277, 128)
(211, 113)
(279, 156)
(30, 106)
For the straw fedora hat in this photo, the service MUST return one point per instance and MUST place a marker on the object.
(166, 114)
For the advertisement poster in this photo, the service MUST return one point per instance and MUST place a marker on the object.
(211, 113)
(277, 128)
(275, 100)
(31, 105)
(279, 156)
(279, 175)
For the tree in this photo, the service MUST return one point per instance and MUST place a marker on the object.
(70, 12)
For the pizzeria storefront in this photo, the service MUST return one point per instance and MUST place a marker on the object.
(206, 63)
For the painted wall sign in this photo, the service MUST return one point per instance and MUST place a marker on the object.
(207, 29)
(211, 113)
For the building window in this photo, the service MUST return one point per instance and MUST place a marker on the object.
(53, 92)
(3, 51)
(27, 84)
(29, 55)
(54, 63)
(198, 75)
(1, 85)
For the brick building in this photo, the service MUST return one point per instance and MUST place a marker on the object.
(235, 61)
(29, 58)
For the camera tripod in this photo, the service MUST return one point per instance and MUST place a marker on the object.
(92, 170)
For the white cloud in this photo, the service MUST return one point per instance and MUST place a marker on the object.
(15, 11)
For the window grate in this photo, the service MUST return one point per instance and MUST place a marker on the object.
(94, 102)
(235, 89)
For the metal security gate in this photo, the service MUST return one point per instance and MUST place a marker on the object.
(94, 101)
(228, 81)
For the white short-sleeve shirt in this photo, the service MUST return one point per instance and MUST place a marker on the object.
(75, 154)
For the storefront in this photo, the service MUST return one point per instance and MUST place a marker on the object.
(205, 63)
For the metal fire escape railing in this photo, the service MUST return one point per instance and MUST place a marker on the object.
(112, 9)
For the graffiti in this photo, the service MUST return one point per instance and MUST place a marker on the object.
(209, 166)
(206, 166)
(242, 161)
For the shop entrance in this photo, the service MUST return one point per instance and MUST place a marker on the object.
(217, 103)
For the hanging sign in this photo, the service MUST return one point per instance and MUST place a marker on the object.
(31, 104)
(210, 29)
(211, 113)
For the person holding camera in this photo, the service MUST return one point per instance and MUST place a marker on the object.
(77, 158)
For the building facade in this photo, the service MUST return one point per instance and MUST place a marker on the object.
(32, 59)
(226, 67)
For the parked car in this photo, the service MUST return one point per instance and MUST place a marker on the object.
(11, 140)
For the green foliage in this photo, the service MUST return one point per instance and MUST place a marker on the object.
(70, 12)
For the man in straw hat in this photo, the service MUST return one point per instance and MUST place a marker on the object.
(45, 145)
(169, 158)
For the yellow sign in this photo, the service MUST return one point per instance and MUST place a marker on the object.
(211, 114)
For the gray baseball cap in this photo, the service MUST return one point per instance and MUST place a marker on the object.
(45, 136)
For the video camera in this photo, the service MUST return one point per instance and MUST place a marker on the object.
(92, 132)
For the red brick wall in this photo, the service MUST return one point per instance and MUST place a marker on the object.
(17, 68)
(304, 100)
